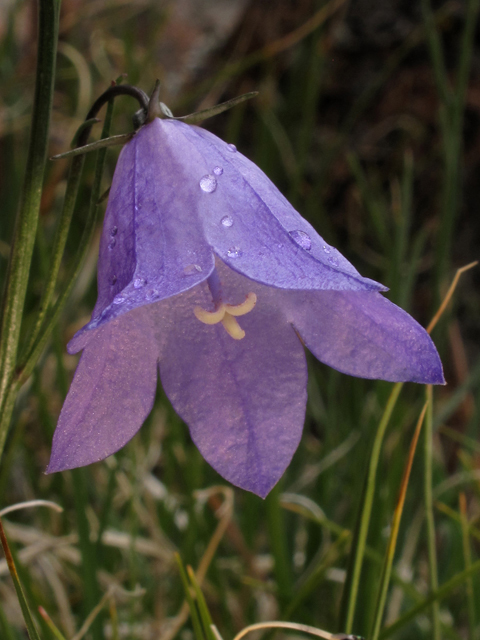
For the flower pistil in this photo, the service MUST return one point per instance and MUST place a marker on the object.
(225, 313)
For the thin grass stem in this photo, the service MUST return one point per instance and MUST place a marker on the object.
(27, 219)
(359, 542)
(429, 516)
(392, 543)
(467, 555)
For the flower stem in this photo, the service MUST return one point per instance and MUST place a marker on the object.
(28, 213)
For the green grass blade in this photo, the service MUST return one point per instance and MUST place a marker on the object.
(436, 596)
(26, 367)
(467, 554)
(196, 623)
(436, 52)
(27, 220)
(278, 542)
(5, 628)
(27, 616)
(430, 520)
(57, 634)
(205, 616)
(359, 542)
(392, 543)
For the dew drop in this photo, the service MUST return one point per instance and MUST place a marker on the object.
(227, 221)
(112, 243)
(217, 171)
(333, 262)
(113, 231)
(192, 269)
(231, 147)
(234, 252)
(138, 283)
(119, 299)
(326, 248)
(302, 239)
(208, 183)
(113, 280)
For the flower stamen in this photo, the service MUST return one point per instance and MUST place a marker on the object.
(210, 317)
(232, 327)
(226, 313)
(242, 308)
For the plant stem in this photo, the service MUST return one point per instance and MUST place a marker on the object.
(431, 538)
(27, 218)
(359, 542)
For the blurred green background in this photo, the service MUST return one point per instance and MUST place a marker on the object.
(368, 120)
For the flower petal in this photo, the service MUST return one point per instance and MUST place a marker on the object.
(111, 394)
(257, 232)
(364, 334)
(244, 400)
(152, 244)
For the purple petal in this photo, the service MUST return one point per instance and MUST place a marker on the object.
(152, 244)
(254, 229)
(364, 334)
(244, 400)
(111, 394)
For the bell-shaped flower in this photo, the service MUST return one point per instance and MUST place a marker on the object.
(207, 274)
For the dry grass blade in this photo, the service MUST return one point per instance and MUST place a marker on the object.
(293, 626)
(105, 599)
(449, 294)
(29, 504)
(397, 516)
(225, 514)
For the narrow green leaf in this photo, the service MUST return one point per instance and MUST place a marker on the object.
(429, 516)
(436, 596)
(51, 625)
(197, 626)
(205, 616)
(5, 627)
(88, 124)
(352, 582)
(392, 542)
(122, 138)
(27, 219)
(27, 616)
(199, 116)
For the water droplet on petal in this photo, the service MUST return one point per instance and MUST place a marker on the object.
(227, 221)
(113, 280)
(192, 269)
(138, 283)
(208, 183)
(112, 243)
(119, 299)
(333, 262)
(113, 231)
(234, 252)
(302, 239)
(231, 147)
(326, 248)
(218, 171)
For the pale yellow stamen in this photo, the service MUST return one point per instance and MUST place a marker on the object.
(210, 317)
(244, 307)
(225, 313)
(232, 327)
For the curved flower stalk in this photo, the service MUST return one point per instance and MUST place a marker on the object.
(208, 275)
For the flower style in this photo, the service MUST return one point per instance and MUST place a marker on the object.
(207, 273)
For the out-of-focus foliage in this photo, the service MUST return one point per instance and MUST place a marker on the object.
(365, 127)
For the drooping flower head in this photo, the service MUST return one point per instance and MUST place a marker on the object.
(209, 276)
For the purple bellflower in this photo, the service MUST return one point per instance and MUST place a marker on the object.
(207, 274)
